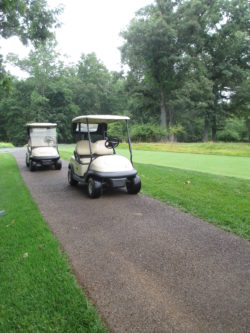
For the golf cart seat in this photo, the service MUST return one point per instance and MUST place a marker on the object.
(98, 149)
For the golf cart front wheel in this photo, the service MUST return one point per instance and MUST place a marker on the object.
(32, 166)
(58, 165)
(27, 162)
(134, 185)
(94, 188)
(71, 180)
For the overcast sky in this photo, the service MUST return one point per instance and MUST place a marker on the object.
(88, 26)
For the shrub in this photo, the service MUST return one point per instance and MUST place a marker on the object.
(234, 130)
(118, 130)
(228, 136)
(148, 133)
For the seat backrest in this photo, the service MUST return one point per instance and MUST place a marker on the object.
(98, 148)
(82, 147)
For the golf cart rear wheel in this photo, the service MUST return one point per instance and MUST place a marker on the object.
(94, 188)
(134, 185)
(58, 165)
(71, 180)
(32, 166)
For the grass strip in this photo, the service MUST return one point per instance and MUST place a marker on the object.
(6, 145)
(208, 148)
(38, 291)
(223, 201)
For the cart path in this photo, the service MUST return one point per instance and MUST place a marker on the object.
(146, 266)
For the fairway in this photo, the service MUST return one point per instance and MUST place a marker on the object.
(229, 166)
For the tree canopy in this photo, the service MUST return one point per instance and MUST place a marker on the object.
(187, 79)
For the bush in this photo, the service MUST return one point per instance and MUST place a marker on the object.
(148, 133)
(228, 136)
(118, 130)
(234, 130)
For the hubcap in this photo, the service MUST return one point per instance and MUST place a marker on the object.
(90, 186)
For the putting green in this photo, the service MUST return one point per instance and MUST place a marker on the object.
(230, 166)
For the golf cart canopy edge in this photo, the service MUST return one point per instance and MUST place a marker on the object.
(98, 119)
(46, 125)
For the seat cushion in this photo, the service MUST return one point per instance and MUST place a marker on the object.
(98, 148)
(82, 147)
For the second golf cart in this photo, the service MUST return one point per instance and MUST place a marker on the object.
(95, 161)
(42, 146)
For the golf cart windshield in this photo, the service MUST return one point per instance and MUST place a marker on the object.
(43, 137)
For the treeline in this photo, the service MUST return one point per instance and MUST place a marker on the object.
(188, 78)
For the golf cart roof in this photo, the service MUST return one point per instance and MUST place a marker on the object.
(99, 119)
(41, 125)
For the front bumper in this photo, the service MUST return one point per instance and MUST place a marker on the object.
(44, 160)
(113, 175)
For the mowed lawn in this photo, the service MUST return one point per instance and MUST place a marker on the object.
(215, 197)
(230, 166)
(223, 165)
(38, 292)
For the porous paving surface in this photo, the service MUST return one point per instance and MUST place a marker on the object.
(146, 266)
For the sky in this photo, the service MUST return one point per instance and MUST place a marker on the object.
(87, 26)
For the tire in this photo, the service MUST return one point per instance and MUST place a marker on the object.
(32, 166)
(71, 180)
(27, 163)
(58, 165)
(134, 185)
(94, 188)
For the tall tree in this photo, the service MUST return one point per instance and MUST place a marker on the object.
(151, 50)
(218, 38)
(94, 85)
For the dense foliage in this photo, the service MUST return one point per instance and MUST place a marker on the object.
(188, 77)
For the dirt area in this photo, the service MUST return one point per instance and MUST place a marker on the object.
(146, 266)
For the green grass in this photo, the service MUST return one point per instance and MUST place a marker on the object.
(6, 145)
(208, 148)
(38, 290)
(223, 201)
(231, 166)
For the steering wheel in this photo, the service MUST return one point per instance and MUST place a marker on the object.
(111, 143)
(50, 140)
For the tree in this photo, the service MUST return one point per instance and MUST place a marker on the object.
(220, 40)
(94, 87)
(30, 20)
(152, 51)
(240, 102)
(194, 52)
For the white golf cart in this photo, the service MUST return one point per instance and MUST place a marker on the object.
(95, 161)
(42, 146)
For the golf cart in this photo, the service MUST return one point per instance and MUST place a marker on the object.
(95, 162)
(42, 146)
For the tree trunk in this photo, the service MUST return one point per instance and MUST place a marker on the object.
(214, 128)
(163, 110)
(248, 128)
(206, 123)
(172, 136)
